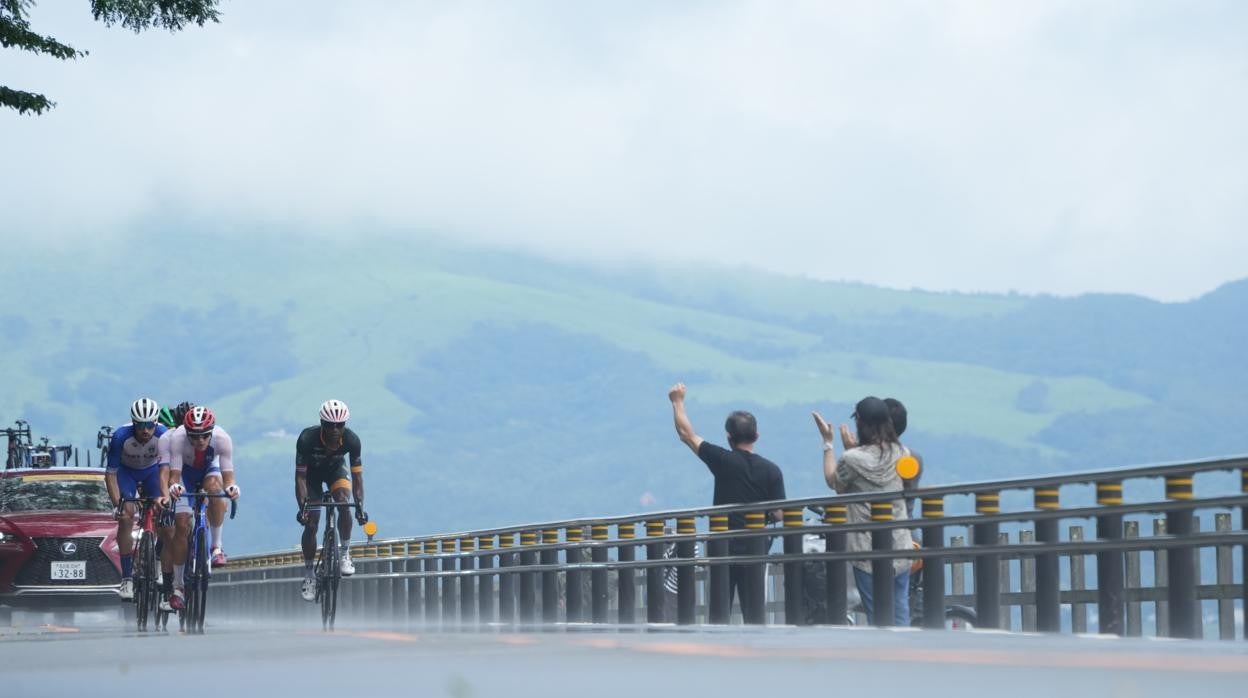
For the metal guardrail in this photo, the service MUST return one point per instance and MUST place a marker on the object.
(576, 571)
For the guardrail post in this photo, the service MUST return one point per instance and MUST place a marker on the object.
(574, 535)
(836, 571)
(1184, 609)
(882, 602)
(448, 583)
(719, 596)
(1048, 577)
(625, 586)
(1225, 577)
(1109, 592)
(1007, 610)
(415, 607)
(754, 590)
(430, 584)
(655, 594)
(485, 582)
(1078, 582)
(987, 567)
(506, 580)
(686, 592)
(1243, 551)
(794, 606)
(467, 582)
(1161, 580)
(599, 533)
(933, 569)
(550, 577)
(1135, 620)
(528, 580)
(1027, 582)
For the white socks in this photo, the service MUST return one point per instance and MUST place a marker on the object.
(216, 536)
(178, 571)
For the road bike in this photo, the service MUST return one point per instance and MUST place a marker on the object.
(328, 568)
(198, 569)
(146, 560)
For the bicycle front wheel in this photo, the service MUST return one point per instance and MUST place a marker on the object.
(328, 581)
(145, 581)
(201, 578)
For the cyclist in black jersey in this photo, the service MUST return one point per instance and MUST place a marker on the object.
(327, 457)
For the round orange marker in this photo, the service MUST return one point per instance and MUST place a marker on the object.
(908, 467)
(370, 529)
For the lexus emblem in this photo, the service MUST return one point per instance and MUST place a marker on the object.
(69, 547)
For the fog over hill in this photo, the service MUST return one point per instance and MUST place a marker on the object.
(493, 387)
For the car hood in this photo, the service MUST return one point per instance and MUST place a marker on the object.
(63, 524)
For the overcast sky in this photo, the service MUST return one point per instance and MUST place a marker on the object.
(1059, 147)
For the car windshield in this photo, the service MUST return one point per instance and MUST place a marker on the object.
(58, 494)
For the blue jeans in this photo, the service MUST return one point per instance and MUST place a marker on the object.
(901, 597)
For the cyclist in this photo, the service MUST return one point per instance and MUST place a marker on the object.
(320, 464)
(201, 454)
(133, 460)
(172, 419)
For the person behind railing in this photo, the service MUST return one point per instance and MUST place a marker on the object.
(741, 477)
(869, 464)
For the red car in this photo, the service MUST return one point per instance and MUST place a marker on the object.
(58, 539)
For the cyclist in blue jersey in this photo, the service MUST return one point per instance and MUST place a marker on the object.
(133, 460)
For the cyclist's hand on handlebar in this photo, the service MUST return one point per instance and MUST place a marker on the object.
(302, 517)
(162, 502)
(118, 512)
(361, 516)
(233, 491)
(176, 490)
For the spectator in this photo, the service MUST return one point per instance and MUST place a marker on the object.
(870, 467)
(741, 477)
(897, 412)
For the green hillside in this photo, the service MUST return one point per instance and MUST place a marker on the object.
(493, 387)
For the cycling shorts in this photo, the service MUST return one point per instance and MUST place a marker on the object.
(129, 480)
(336, 477)
(192, 479)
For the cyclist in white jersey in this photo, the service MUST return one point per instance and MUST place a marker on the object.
(201, 454)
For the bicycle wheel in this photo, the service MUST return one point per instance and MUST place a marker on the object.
(327, 583)
(145, 581)
(201, 582)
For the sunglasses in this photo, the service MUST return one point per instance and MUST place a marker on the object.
(144, 425)
(334, 425)
(199, 437)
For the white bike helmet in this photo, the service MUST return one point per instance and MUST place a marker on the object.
(335, 411)
(144, 409)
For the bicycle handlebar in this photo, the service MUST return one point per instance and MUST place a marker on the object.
(217, 495)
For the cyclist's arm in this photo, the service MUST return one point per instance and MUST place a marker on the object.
(225, 460)
(301, 478)
(357, 472)
(110, 482)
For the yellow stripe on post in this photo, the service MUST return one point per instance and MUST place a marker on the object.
(628, 530)
(506, 540)
(1109, 492)
(1046, 498)
(686, 526)
(467, 545)
(836, 514)
(792, 518)
(987, 502)
(550, 535)
(1179, 487)
(448, 545)
(600, 532)
(574, 534)
(881, 511)
(654, 529)
(933, 507)
(719, 522)
(755, 519)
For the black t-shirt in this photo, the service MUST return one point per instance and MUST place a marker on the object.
(741, 477)
(311, 453)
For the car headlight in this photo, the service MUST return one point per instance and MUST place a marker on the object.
(7, 537)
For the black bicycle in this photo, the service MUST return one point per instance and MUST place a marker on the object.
(198, 569)
(146, 569)
(328, 568)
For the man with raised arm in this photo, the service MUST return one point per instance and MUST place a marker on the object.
(741, 477)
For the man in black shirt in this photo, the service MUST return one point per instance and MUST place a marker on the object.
(741, 477)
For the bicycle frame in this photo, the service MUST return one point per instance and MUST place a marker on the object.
(146, 593)
(329, 562)
(197, 569)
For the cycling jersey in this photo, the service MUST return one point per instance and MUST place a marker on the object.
(323, 467)
(219, 453)
(135, 463)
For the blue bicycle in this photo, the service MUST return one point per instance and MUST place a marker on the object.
(198, 569)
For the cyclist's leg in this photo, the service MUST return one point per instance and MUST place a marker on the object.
(127, 488)
(315, 490)
(216, 512)
(340, 488)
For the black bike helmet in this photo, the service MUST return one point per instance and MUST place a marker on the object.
(179, 412)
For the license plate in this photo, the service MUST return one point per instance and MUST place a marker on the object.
(62, 571)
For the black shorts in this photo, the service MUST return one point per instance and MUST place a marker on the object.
(333, 478)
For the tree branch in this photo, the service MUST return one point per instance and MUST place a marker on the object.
(138, 15)
(24, 101)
